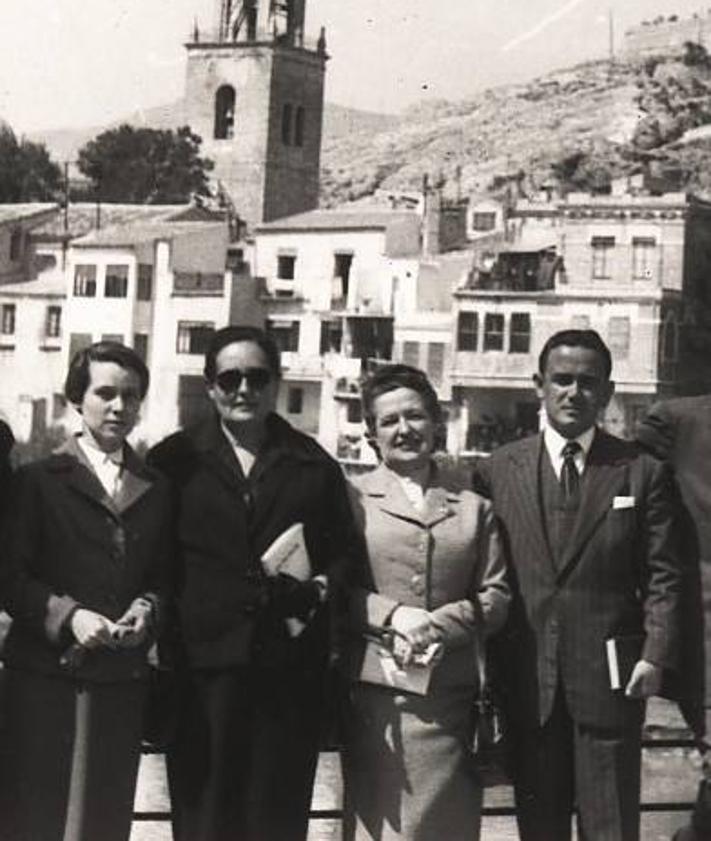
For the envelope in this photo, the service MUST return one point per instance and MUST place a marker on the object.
(620, 502)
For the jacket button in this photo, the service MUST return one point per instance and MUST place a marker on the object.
(417, 584)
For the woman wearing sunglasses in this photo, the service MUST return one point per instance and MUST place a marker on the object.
(254, 646)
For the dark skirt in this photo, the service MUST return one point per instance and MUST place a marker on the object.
(70, 757)
(405, 770)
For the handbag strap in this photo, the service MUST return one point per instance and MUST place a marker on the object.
(480, 647)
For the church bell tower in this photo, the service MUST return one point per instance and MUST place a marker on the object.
(254, 93)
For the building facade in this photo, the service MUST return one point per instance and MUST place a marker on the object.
(632, 267)
(254, 94)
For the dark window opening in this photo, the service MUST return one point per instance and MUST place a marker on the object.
(520, 333)
(493, 331)
(342, 263)
(144, 282)
(224, 112)
(85, 281)
(286, 124)
(285, 334)
(602, 257)
(194, 336)
(16, 245)
(286, 267)
(116, 285)
(484, 221)
(299, 127)
(331, 337)
(354, 412)
(140, 345)
(295, 401)
(53, 322)
(7, 322)
(468, 331)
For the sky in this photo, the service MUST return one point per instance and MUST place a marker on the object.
(77, 63)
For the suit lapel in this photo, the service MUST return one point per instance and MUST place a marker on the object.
(136, 480)
(525, 489)
(80, 475)
(604, 477)
(389, 495)
(220, 456)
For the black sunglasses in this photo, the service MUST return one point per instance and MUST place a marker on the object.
(256, 379)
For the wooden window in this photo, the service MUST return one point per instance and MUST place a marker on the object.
(602, 248)
(520, 340)
(193, 336)
(468, 331)
(53, 322)
(493, 331)
(116, 283)
(84, 280)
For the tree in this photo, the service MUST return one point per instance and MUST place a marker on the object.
(156, 166)
(27, 173)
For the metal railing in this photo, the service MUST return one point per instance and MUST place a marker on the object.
(505, 810)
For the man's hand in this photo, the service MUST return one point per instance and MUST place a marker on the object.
(92, 630)
(645, 681)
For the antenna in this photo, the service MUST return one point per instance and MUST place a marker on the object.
(611, 33)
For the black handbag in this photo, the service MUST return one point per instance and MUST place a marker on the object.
(488, 746)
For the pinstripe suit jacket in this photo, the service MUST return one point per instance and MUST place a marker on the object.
(619, 576)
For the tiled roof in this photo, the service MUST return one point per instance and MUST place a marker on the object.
(340, 220)
(82, 217)
(24, 212)
(135, 233)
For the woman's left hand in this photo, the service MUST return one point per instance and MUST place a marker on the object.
(134, 627)
(415, 632)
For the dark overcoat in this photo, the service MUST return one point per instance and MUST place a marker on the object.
(68, 544)
(679, 432)
(74, 732)
(224, 525)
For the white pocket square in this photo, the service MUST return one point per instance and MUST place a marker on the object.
(623, 502)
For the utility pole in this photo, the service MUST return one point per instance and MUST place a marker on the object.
(611, 33)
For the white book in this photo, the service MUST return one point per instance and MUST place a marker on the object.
(288, 554)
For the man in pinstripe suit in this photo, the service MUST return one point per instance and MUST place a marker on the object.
(588, 523)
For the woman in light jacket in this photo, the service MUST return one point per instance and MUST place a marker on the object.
(433, 582)
(82, 574)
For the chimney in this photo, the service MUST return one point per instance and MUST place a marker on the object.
(431, 211)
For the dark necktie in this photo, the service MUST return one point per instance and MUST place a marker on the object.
(569, 476)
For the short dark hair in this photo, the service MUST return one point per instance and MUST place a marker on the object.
(77, 380)
(577, 338)
(241, 333)
(388, 378)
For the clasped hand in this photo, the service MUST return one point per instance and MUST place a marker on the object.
(93, 630)
(414, 633)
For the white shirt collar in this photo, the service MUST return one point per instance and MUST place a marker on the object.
(244, 456)
(555, 442)
(106, 466)
(95, 454)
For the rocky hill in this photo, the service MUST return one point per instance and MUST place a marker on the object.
(579, 127)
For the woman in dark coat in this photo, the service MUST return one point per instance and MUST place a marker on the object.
(83, 568)
(434, 578)
(255, 647)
